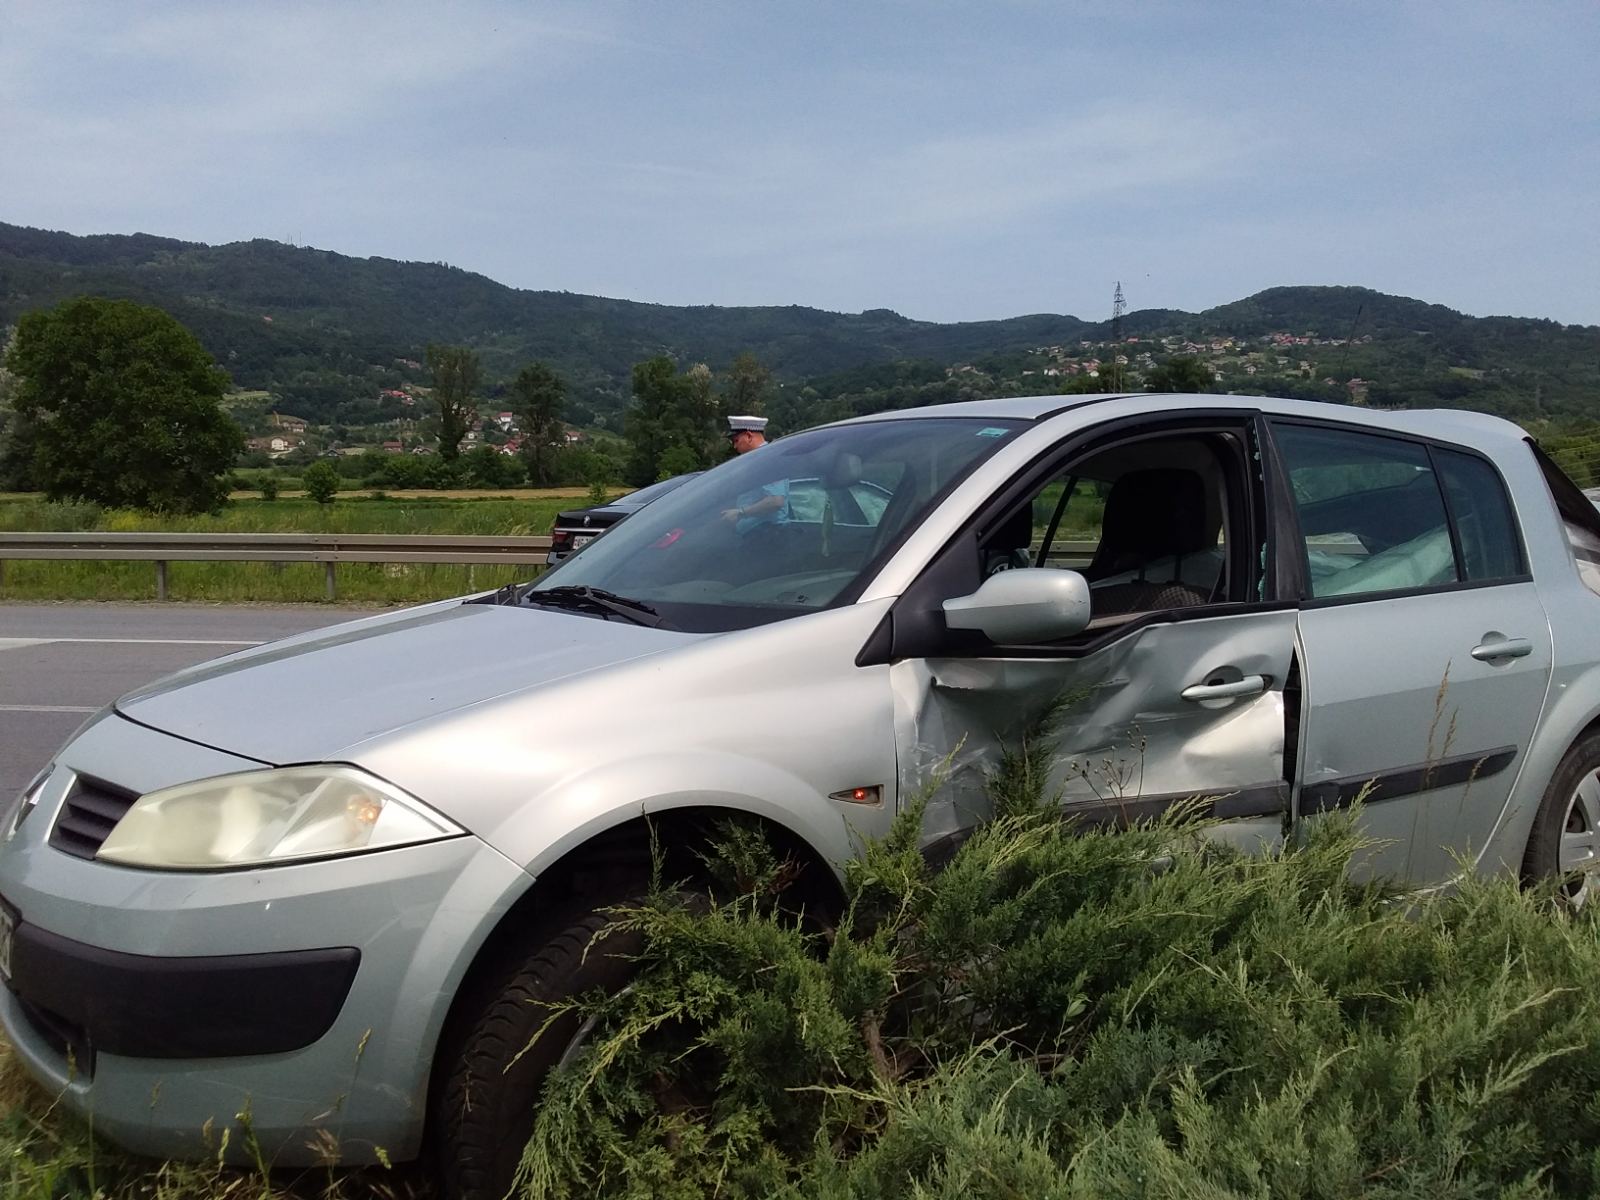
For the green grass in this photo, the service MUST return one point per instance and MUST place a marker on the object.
(292, 582)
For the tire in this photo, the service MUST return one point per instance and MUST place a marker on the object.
(1565, 839)
(484, 1113)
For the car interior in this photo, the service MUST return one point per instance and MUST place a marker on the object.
(1144, 522)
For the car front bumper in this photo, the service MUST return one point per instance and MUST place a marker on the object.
(295, 1007)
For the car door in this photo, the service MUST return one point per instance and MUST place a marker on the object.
(1174, 692)
(1426, 651)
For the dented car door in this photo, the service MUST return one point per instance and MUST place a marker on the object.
(1174, 691)
(1170, 712)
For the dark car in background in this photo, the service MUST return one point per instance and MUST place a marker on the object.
(579, 526)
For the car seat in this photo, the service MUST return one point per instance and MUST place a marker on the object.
(1153, 519)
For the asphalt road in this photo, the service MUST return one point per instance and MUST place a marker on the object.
(61, 662)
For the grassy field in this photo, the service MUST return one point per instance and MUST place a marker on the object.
(517, 514)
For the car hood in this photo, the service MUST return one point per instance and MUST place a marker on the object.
(315, 697)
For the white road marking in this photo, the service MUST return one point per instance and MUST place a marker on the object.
(50, 708)
(12, 643)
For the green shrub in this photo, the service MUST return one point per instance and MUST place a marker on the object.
(404, 471)
(269, 487)
(1069, 1012)
(321, 480)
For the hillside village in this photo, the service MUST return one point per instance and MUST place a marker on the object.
(408, 424)
(275, 435)
(1233, 363)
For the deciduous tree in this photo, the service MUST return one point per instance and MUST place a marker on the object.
(321, 480)
(670, 410)
(1181, 373)
(747, 387)
(124, 407)
(541, 396)
(650, 419)
(455, 381)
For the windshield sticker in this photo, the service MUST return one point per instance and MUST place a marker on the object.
(991, 431)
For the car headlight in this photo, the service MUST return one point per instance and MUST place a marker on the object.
(16, 812)
(259, 818)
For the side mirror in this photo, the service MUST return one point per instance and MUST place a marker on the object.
(1029, 604)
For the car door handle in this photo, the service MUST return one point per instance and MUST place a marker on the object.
(1504, 648)
(1248, 686)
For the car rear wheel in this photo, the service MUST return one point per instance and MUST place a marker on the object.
(1565, 840)
(484, 1113)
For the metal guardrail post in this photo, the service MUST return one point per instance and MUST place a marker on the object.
(328, 572)
(161, 579)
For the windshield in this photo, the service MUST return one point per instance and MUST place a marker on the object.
(790, 528)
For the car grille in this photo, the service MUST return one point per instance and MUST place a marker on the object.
(92, 810)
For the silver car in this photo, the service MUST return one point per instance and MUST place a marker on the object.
(336, 882)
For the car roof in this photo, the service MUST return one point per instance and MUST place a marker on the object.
(1459, 424)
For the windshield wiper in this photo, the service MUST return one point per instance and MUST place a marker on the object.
(596, 599)
(510, 594)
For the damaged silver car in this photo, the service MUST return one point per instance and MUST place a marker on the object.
(335, 882)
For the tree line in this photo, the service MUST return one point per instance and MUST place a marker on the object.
(118, 403)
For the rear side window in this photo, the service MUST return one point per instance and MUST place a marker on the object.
(1490, 547)
(1370, 509)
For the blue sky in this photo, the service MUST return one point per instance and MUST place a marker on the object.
(951, 162)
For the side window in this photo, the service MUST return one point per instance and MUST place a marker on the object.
(1490, 548)
(1370, 511)
(858, 504)
(1144, 522)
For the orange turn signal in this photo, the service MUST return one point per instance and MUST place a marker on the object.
(872, 795)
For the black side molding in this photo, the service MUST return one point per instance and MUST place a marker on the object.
(1404, 781)
(1260, 800)
(212, 1007)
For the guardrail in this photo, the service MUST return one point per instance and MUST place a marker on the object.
(330, 549)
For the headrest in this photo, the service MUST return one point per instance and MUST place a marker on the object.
(843, 471)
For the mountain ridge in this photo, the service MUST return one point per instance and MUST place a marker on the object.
(316, 326)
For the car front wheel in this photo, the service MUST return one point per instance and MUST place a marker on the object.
(484, 1113)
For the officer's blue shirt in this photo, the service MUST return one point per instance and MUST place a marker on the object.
(778, 516)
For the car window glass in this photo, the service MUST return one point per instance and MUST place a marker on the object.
(1490, 548)
(1370, 511)
(859, 504)
(784, 529)
(1144, 522)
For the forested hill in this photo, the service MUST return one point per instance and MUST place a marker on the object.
(319, 329)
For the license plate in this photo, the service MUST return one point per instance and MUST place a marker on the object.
(8, 927)
(582, 539)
